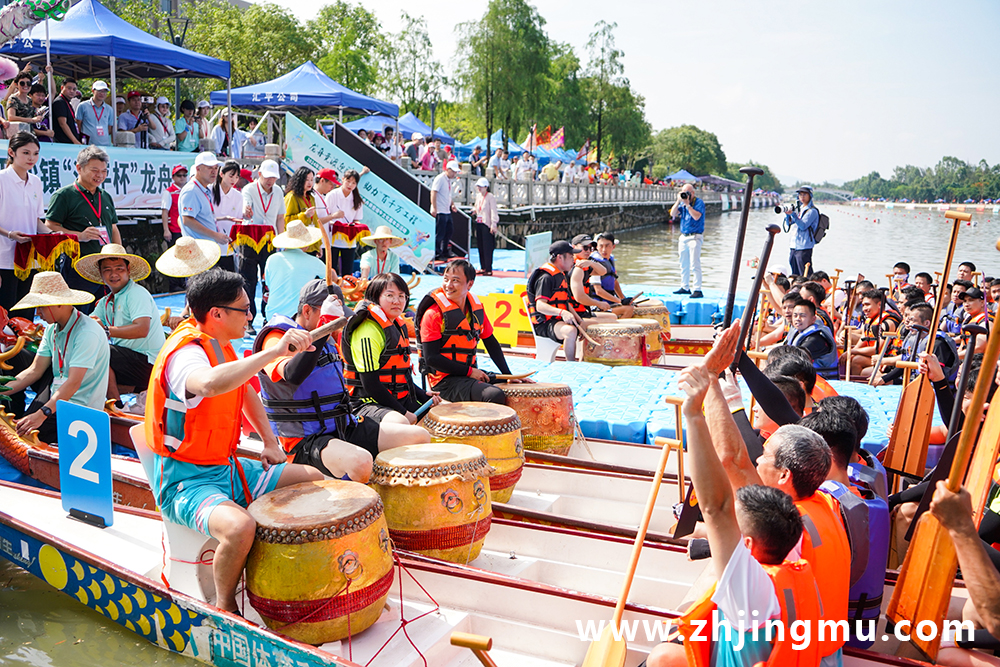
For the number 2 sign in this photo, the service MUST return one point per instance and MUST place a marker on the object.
(506, 313)
(85, 463)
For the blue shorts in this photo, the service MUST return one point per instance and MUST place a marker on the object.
(190, 492)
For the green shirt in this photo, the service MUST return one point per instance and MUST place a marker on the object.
(389, 265)
(124, 308)
(367, 343)
(86, 347)
(74, 208)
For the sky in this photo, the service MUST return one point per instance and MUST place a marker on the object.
(815, 90)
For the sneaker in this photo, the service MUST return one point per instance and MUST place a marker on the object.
(697, 294)
(682, 291)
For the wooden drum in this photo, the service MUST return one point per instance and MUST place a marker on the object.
(321, 552)
(494, 429)
(655, 310)
(436, 500)
(621, 343)
(546, 412)
(654, 346)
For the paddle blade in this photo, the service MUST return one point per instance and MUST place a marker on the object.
(923, 590)
(907, 450)
(606, 651)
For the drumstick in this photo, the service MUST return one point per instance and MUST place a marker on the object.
(501, 376)
(325, 330)
(583, 332)
(423, 408)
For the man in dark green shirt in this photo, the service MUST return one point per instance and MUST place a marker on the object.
(81, 209)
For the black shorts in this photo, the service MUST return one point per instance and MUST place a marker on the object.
(547, 329)
(373, 412)
(585, 313)
(456, 388)
(309, 450)
(132, 369)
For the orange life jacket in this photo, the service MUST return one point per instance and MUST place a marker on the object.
(825, 546)
(206, 434)
(795, 587)
(822, 389)
(460, 335)
(875, 327)
(394, 362)
(561, 298)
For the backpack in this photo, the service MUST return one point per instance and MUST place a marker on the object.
(821, 227)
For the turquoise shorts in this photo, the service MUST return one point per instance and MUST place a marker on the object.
(190, 492)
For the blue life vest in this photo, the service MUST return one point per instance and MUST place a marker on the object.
(609, 278)
(318, 405)
(826, 365)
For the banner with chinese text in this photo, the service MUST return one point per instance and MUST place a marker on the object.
(136, 177)
(384, 205)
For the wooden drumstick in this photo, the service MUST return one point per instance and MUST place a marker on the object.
(583, 332)
(518, 376)
(324, 330)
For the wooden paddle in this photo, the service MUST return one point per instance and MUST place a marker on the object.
(607, 651)
(478, 644)
(734, 273)
(747, 322)
(923, 590)
(586, 336)
(877, 366)
(907, 450)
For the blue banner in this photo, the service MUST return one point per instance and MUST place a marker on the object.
(384, 205)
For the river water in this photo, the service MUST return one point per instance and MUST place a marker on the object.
(40, 626)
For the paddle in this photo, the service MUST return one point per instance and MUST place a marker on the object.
(608, 651)
(765, 255)
(907, 450)
(923, 590)
(734, 273)
(877, 366)
(583, 332)
(324, 330)
(478, 644)
(948, 455)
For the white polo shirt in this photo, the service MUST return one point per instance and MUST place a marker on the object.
(22, 207)
(266, 206)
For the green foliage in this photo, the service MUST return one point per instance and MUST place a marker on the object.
(605, 71)
(660, 171)
(766, 181)
(351, 38)
(564, 103)
(409, 76)
(461, 120)
(688, 147)
(951, 179)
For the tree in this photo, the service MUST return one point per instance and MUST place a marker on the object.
(351, 38)
(408, 73)
(766, 181)
(605, 71)
(564, 103)
(624, 116)
(688, 147)
(504, 62)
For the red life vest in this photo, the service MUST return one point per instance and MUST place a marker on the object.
(461, 334)
(206, 434)
(561, 298)
(394, 361)
(795, 588)
(876, 327)
(825, 547)
(173, 215)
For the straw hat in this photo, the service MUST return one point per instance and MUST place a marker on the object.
(297, 235)
(383, 232)
(188, 257)
(89, 267)
(48, 288)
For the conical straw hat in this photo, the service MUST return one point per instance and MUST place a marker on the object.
(49, 288)
(188, 257)
(383, 232)
(88, 266)
(297, 235)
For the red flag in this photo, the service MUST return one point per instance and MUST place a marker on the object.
(544, 137)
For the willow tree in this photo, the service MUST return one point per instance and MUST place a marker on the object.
(604, 72)
(408, 74)
(503, 63)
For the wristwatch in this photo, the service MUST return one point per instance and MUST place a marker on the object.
(47, 411)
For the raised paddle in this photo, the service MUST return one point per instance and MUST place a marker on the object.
(324, 330)
(923, 589)
(747, 322)
(907, 450)
(877, 366)
(948, 454)
(734, 273)
(608, 651)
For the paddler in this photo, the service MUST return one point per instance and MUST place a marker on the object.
(920, 315)
(878, 321)
(550, 304)
(450, 323)
(74, 346)
(751, 532)
(610, 288)
(814, 337)
(379, 260)
(198, 397)
(306, 399)
(128, 314)
(589, 297)
(377, 366)
(974, 309)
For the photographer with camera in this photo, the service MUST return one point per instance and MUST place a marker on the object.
(805, 217)
(691, 212)
(135, 118)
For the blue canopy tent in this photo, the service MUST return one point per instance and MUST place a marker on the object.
(682, 175)
(371, 124)
(445, 138)
(496, 141)
(308, 89)
(409, 123)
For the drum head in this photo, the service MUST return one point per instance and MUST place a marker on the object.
(540, 389)
(433, 454)
(647, 325)
(312, 505)
(472, 414)
(610, 329)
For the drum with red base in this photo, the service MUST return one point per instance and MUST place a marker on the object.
(621, 343)
(546, 412)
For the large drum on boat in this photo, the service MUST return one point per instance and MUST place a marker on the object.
(436, 498)
(494, 429)
(321, 552)
(546, 412)
(654, 347)
(621, 343)
(655, 310)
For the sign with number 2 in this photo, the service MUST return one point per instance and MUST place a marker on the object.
(85, 463)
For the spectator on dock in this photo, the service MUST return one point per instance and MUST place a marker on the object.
(128, 314)
(477, 162)
(186, 129)
(74, 347)
(170, 214)
(64, 114)
(263, 204)
(135, 119)
(203, 118)
(346, 227)
(19, 107)
(497, 163)
(228, 208)
(800, 254)
(161, 128)
(24, 212)
(379, 260)
(41, 128)
(690, 210)
(442, 207)
(95, 116)
(487, 224)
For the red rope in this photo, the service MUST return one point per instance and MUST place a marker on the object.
(447, 537)
(342, 603)
(506, 480)
(403, 622)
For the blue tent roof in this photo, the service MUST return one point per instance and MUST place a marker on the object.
(682, 175)
(496, 141)
(305, 87)
(90, 34)
(408, 124)
(371, 124)
(445, 138)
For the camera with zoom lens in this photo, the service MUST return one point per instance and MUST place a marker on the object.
(684, 195)
(785, 210)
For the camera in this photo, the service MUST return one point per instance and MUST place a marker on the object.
(147, 100)
(785, 210)
(684, 195)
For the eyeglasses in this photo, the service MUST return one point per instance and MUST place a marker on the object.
(23, 83)
(245, 310)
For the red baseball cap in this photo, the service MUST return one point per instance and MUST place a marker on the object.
(327, 175)
(246, 174)
(134, 93)
(178, 169)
